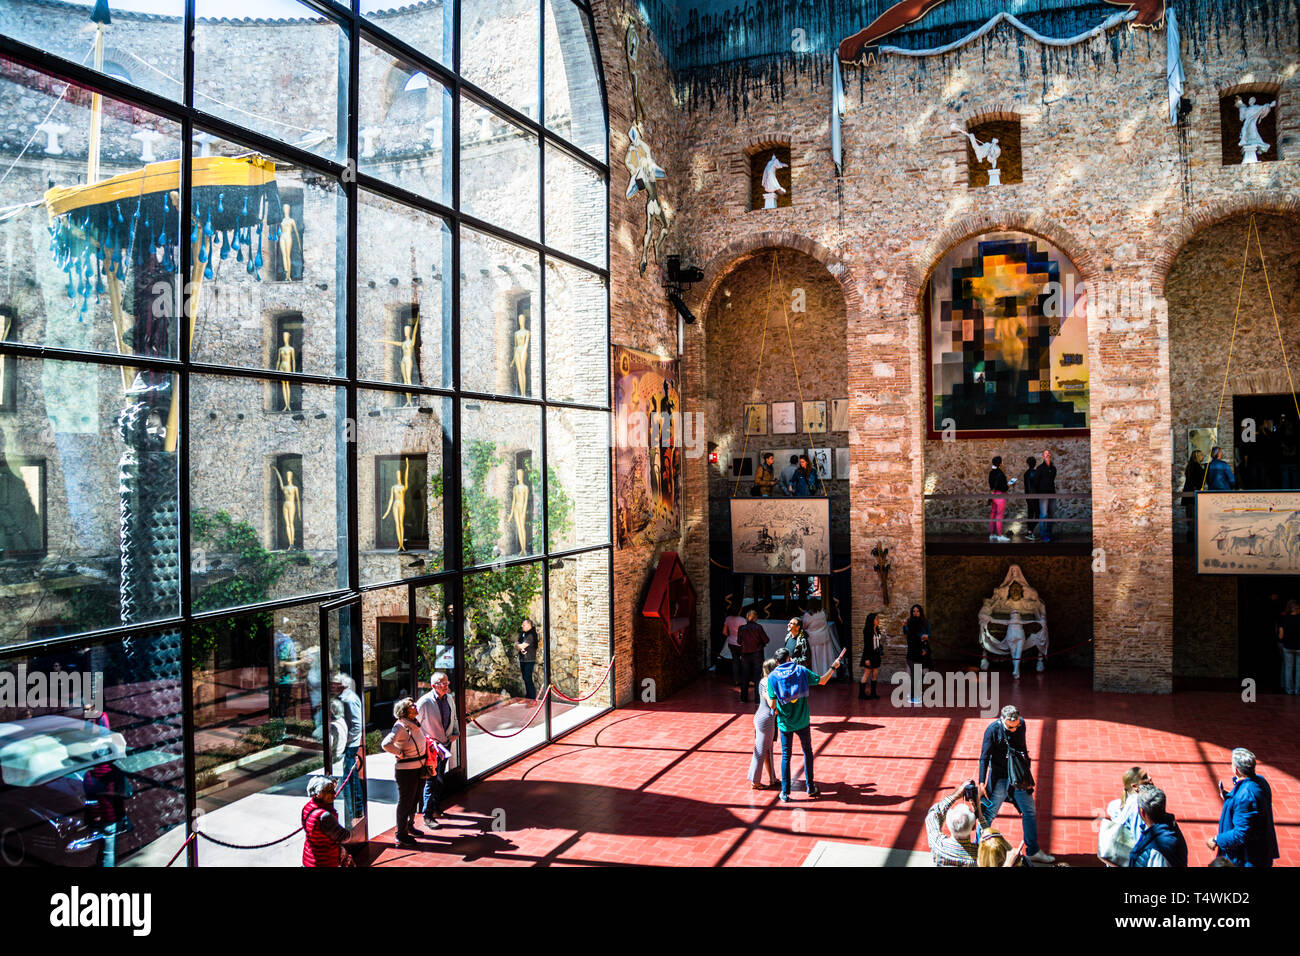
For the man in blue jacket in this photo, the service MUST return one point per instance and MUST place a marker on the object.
(1219, 476)
(1246, 836)
(1161, 842)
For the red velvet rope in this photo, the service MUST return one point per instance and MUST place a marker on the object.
(596, 690)
(540, 704)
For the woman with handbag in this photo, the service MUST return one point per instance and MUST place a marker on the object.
(406, 742)
(1122, 826)
(872, 639)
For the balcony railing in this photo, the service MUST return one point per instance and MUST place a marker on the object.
(964, 516)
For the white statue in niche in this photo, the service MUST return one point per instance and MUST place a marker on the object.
(770, 185)
(1017, 607)
(1250, 141)
(985, 153)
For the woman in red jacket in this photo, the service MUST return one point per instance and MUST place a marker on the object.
(324, 836)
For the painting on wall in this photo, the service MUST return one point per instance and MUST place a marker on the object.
(839, 414)
(1248, 532)
(648, 456)
(783, 418)
(742, 466)
(767, 535)
(814, 418)
(820, 458)
(841, 463)
(755, 419)
(1202, 440)
(1008, 343)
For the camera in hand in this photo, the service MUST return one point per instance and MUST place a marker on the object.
(971, 792)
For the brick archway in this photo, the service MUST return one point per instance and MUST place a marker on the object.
(923, 264)
(740, 250)
(1272, 202)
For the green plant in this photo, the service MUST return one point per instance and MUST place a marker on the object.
(373, 741)
(256, 572)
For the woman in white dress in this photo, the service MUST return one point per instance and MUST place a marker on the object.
(820, 642)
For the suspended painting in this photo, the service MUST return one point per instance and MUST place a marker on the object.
(780, 535)
(1248, 532)
(1008, 345)
(648, 457)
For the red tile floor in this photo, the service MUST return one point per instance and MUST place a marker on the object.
(665, 783)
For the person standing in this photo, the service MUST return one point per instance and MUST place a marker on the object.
(1045, 484)
(998, 500)
(527, 648)
(788, 686)
(806, 483)
(1160, 842)
(1004, 775)
(731, 626)
(1193, 478)
(765, 480)
(796, 642)
(406, 742)
(872, 639)
(344, 689)
(1218, 477)
(323, 835)
(437, 714)
(917, 632)
(1288, 633)
(1031, 503)
(764, 733)
(786, 480)
(821, 645)
(753, 640)
(1246, 834)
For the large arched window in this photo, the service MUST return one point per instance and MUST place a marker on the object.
(326, 414)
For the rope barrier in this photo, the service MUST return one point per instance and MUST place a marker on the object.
(188, 840)
(541, 703)
(599, 685)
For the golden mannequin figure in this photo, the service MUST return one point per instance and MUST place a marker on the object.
(520, 361)
(292, 502)
(397, 505)
(519, 509)
(5, 325)
(285, 361)
(407, 345)
(288, 229)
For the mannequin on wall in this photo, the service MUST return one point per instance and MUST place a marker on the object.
(520, 359)
(519, 509)
(397, 504)
(292, 503)
(407, 345)
(288, 229)
(285, 361)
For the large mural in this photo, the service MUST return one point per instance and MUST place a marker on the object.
(648, 456)
(1008, 346)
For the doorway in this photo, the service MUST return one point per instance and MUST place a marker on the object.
(1260, 601)
(1265, 435)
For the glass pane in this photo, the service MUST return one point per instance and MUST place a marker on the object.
(347, 717)
(575, 208)
(257, 731)
(577, 480)
(498, 171)
(500, 341)
(268, 262)
(577, 641)
(574, 108)
(99, 785)
(88, 524)
(267, 493)
(577, 335)
(241, 73)
(145, 51)
(487, 29)
(496, 701)
(403, 294)
(82, 266)
(426, 26)
(405, 125)
(399, 485)
(501, 459)
(433, 636)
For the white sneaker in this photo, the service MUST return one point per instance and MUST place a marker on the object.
(1042, 856)
(1003, 538)
(993, 537)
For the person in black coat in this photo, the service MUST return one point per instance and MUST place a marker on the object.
(917, 632)
(1031, 503)
(1193, 478)
(872, 638)
(1045, 484)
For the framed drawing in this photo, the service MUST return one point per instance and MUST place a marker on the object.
(1248, 532)
(742, 466)
(1007, 348)
(839, 414)
(755, 419)
(841, 463)
(767, 535)
(820, 458)
(1202, 440)
(783, 418)
(814, 418)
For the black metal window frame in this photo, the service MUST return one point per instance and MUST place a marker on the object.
(357, 28)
